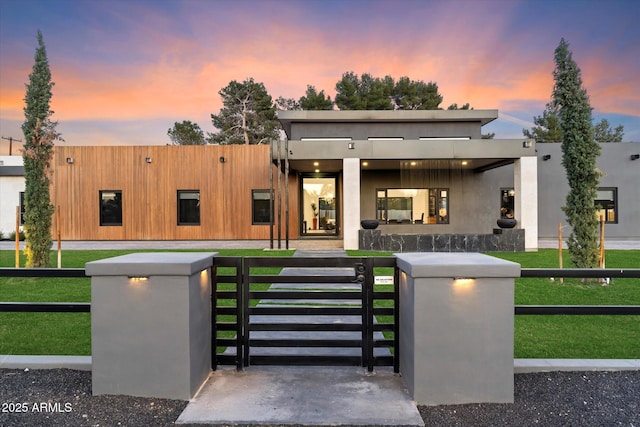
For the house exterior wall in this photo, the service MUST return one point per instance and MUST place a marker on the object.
(474, 198)
(11, 185)
(620, 172)
(363, 131)
(149, 191)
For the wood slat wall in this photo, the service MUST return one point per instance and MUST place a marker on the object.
(149, 191)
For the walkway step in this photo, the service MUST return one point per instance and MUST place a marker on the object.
(310, 396)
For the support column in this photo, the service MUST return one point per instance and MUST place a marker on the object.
(525, 177)
(151, 324)
(456, 327)
(351, 201)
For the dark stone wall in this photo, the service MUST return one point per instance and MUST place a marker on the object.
(501, 240)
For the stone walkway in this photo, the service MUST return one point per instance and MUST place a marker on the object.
(305, 395)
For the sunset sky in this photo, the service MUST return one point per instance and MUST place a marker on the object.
(126, 70)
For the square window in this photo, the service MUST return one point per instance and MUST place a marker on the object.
(607, 204)
(110, 207)
(260, 207)
(188, 207)
(22, 210)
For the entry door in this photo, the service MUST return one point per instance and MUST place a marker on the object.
(320, 216)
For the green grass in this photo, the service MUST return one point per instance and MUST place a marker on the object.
(535, 336)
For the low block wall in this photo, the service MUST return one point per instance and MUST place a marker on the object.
(456, 327)
(151, 324)
(508, 240)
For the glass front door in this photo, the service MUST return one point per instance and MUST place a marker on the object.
(319, 206)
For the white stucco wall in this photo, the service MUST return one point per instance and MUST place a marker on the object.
(525, 177)
(10, 188)
(351, 195)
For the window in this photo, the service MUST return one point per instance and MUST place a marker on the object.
(22, 208)
(413, 205)
(111, 207)
(507, 198)
(607, 204)
(188, 207)
(260, 207)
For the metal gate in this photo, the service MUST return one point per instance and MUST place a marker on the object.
(304, 311)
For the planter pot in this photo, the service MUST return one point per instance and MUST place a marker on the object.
(507, 222)
(369, 224)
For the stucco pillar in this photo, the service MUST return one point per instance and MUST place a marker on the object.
(151, 324)
(525, 176)
(351, 204)
(456, 327)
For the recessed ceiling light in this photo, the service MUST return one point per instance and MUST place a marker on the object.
(365, 163)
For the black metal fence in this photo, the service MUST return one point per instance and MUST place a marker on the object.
(306, 318)
(232, 308)
(44, 307)
(579, 273)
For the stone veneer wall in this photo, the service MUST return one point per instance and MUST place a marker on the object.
(508, 240)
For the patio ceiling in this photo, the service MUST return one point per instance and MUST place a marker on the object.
(335, 165)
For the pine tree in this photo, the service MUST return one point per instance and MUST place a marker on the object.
(579, 154)
(39, 134)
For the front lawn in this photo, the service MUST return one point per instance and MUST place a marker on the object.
(535, 336)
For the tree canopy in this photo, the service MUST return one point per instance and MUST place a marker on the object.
(39, 134)
(186, 133)
(314, 100)
(579, 154)
(548, 128)
(375, 93)
(248, 115)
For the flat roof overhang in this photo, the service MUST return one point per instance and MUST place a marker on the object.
(480, 154)
(287, 117)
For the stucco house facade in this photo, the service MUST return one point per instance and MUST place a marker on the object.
(427, 177)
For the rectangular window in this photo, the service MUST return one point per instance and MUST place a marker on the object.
(507, 202)
(188, 207)
(110, 207)
(413, 205)
(607, 204)
(260, 207)
(22, 208)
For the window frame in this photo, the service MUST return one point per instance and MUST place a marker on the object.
(178, 211)
(614, 191)
(22, 207)
(253, 207)
(103, 223)
(510, 204)
(433, 194)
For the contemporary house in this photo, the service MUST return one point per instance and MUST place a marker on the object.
(427, 178)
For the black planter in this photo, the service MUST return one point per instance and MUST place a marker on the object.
(369, 224)
(507, 222)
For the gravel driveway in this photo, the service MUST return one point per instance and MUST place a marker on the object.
(62, 397)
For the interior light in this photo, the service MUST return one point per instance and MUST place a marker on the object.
(317, 170)
(465, 163)
(365, 163)
(413, 163)
(316, 164)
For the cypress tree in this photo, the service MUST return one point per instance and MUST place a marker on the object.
(579, 154)
(39, 134)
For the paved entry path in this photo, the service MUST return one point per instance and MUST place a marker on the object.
(304, 395)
